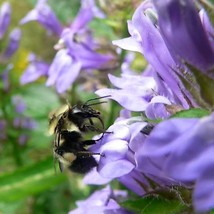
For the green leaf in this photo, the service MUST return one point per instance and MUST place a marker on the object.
(40, 100)
(29, 180)
(206, 85)
(154, 205)
(191, 113)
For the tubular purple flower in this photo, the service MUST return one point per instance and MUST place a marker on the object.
(19, 104)
(102, 201)
(35, 69)
(144, 98)
(76, 47)
(84, 52)
(63, 71)
(86, 13)
(146, 39)
(118, 159)
(135, 181)
(23, 138)
(43, 14)
(5, 13)
(24, 123)
(3, 128)
(207, 25)
(182, 149)
(143, 87)
(5, 77)
(91, 4)
(182, 30)
(70, 60)
(13, 44)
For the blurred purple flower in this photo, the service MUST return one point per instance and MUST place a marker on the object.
(182, 149)
(35, 69)
(13, 44)
(45, 16)
(24, 123)
(83, 51)
(102, 201)
(183, 33)
(63, 71)
(5, 12)
(4, 76)
(23, 138)
(87, 12)
(3, 128)
(21, 121)
(19, 104)
(77, 50)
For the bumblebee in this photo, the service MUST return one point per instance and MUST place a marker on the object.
(72, 153)
(68, 124)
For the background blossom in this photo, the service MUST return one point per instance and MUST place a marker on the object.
(76, 49)
(152, 60)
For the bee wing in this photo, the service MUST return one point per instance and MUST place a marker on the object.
(54, 118)
(61, 166)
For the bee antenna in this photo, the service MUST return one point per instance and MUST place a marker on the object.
(92, 104)
(97, 98)
(68, 103)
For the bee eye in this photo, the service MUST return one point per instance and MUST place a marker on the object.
(60, 152)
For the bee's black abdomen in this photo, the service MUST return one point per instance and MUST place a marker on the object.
(83, 165)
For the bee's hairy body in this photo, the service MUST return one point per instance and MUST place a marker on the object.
(72, 153)
(68, 125)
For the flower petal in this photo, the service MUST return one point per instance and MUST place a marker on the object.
(183, 32)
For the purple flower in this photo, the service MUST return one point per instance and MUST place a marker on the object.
(63, 71)
(102, 201)
(207, 25)
(3, 128)
(118, 158)
(24, 123)
(182, 149)
(19, 104)
(5, 12)
(183, 33)
(146, 39)
(35, 69)
(144, 97)
(23, 138)
(76, 49)
(84, 51)
(5, 77)
(45, 16)
(170, 36)
(13, 44)
(86, 13)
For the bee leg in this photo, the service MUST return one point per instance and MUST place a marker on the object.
(88, 142)
(85, 154)
(91, 121)
(91, 128)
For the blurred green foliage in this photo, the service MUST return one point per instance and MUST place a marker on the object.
(28, 181)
